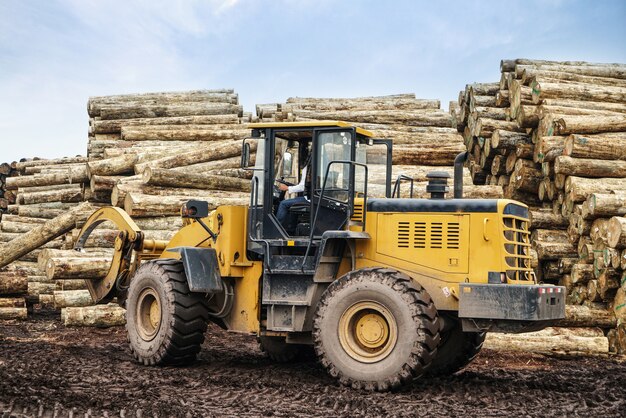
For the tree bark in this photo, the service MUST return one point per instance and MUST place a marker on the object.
(16, 227)
(608, 283)
(331, 105)
(600, 147)
(219, 152)
(607, 205)
(139, 110)
(183, 133)
(72, 298)
(145, 205)
(77, 267)
(590, 124)
(115, 125)
(413, 118)
(443, 155)
(69, 195)
(43, 233)
(549, 340)
(531, 74)
(171, 178)
(589, 168)
(486, 127)
(36, 289)
(49, 253)
(546, 219)
(12, 302)
(583, 316)
(548, 235)
(54, 162)
(11, 284)
(120, 191)
(616, 235)
(554, 250)
(577, 91)
(73, 175)
(70, 284)
(548, 148)
(13, 313)
(581, 273)
(113, 166)
(100, 316)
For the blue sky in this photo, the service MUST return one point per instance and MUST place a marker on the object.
(55, 54)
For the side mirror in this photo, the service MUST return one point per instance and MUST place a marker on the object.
(287, 164)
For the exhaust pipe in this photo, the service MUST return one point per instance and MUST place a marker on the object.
(458, 174)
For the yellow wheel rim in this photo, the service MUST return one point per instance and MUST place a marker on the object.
(368, 331)
(148, 314)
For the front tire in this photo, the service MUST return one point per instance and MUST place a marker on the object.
(165, 322)
(375, 329)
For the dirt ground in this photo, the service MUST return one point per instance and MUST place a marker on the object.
(47, 370)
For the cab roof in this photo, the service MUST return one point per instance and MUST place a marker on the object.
(311, 124)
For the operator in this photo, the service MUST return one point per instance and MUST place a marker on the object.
(282, 214)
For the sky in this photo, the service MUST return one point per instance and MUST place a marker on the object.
(54, 54)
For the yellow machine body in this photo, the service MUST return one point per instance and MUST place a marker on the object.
(440, 250)
(229, 222)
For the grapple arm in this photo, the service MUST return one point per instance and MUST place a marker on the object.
(130, 238)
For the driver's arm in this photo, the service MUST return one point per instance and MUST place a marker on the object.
(298, 188)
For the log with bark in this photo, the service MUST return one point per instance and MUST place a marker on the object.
(101, 316)
(139, 110)
(616, 235)
(583, 316)
(600, 147)
(146, 205)
(13, 312)
(67, 298)
(59, 268)
(171, 178)
(41, 234)
(115, 125)
(586, 340)
(218, 152)
(589, 167)
(12, 284)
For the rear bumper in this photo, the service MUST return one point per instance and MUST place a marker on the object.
(511, 308)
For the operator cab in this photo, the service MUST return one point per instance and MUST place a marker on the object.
(340, 161)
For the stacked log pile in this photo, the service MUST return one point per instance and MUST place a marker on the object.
(7, 197)
(554, 134)
(148, 153)
(423, 139)
(41, 190)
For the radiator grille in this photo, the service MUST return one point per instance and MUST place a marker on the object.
(517, 247)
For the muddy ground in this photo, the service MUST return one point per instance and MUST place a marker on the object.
(47, 369)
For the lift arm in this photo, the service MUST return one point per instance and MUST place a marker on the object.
(130, 238)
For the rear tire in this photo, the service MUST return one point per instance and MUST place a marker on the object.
(456, 350)
(375, 329)
(165, 322)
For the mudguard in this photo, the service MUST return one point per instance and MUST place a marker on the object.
(201, 269)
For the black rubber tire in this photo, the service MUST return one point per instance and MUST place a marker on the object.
(280, 351)
(456, 350)
(417, 329)
(183, 320)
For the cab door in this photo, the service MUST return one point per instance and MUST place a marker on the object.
(332, 179)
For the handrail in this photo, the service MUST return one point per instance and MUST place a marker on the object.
(350, 198)
(396, 186)
(254, 203)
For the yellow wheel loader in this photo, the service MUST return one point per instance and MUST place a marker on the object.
(384, 287)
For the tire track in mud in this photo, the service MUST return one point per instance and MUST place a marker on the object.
(49, 370)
